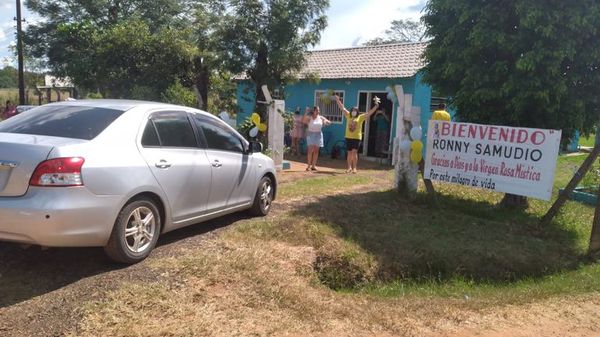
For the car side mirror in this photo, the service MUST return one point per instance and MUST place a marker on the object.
(255, 147)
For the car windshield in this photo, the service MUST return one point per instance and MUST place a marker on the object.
(81, 122)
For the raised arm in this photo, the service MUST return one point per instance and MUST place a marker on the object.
(385, 116)
(325, 121)
(306, 117)
(341, 106)
(372, 111)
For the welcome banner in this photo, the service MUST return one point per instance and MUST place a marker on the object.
(506, 159)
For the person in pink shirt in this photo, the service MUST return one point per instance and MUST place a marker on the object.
(9, 111)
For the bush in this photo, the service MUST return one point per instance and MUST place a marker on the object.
(178, 94)
(94, 95)
(144, 93)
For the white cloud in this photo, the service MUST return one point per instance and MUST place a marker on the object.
(359, 22)
(2, 35)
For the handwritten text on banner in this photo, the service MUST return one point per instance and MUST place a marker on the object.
(512, 160)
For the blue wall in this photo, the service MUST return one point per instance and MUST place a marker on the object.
(302, 94)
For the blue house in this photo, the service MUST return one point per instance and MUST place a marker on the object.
(357, 75)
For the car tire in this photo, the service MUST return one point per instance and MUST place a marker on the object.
(135, 232)
(263, 198)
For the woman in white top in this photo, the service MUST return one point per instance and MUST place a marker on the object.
(314, 136)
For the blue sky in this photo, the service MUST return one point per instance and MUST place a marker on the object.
(351, 22)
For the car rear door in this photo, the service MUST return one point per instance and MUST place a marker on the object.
(233, 176)
(169, 146)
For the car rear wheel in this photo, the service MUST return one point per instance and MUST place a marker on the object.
(135, 232)
(263, 197)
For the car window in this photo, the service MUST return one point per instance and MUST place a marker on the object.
(150, 137)
(81, 122)
(174, 129)
(218, 137)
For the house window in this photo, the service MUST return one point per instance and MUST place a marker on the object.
(328, 106)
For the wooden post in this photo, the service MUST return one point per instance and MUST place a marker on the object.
(428, 183)
(595, 236)
(20, 55)
(562, 198)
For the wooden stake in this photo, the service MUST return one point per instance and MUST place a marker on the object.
(428, 184)
(562, 198)
(595, 237)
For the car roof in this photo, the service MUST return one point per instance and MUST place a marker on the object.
(116, 104)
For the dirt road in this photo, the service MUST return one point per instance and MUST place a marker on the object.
(45, 292)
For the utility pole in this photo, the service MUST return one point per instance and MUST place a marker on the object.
(20, 55)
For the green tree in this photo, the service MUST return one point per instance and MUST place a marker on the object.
(8, 77)
(207, 66)
(530, 63)
(267, 40)
(125, 60)
(179, 94)
(401, 31)
(134, 48)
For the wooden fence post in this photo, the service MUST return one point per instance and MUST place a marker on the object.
(595, 237)
(562, 198)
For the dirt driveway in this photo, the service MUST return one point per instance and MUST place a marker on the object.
(43, 291)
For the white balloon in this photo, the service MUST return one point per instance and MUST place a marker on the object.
(224, 116)
(388, 89)
(405, 145)
(416, 133)
(253, 132)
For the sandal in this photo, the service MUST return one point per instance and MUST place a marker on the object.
(313, 168)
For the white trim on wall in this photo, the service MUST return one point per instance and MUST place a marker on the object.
(367, 122)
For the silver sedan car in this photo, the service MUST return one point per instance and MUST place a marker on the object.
(118, 173)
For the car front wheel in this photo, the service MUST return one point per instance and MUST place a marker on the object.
(263, 197)
(135, 232)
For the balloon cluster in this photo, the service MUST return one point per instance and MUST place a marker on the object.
(416, 153)
(415, 147)
(390, 93)
(225, 117)
(258, 126)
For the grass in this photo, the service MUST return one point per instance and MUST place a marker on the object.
(322, 185)
(587, 141)
(389, 245)
(12, 94)
(345, 255)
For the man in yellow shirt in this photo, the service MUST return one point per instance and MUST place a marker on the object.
(441, 114)
(354, 123)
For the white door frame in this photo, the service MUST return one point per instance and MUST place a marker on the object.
(368, 121)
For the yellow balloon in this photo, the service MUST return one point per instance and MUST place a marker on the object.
(262, 127)
(416, 156)
(416, 145)
(255, 119)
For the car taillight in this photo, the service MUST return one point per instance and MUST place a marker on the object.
(58, 172)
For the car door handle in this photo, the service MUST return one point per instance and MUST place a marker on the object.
(163, 164)
(216, 163)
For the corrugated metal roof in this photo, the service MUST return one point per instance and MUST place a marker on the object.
(383, 61)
